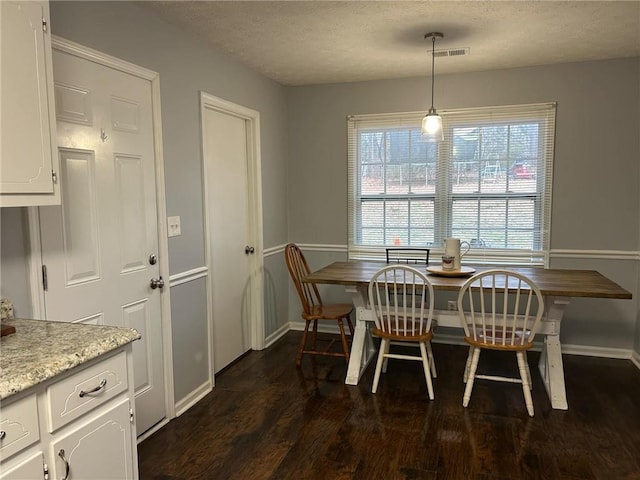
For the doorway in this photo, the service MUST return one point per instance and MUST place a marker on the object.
(233, 217)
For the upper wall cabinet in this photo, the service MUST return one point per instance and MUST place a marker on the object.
(28, 158)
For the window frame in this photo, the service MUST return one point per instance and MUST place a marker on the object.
(443, 197)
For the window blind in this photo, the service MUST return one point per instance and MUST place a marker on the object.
(489, 182)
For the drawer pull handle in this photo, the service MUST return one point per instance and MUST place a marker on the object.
(66, 464)
(2, 434)
(103, 384)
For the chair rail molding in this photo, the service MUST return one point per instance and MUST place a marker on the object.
(188, 276)
(595, 254)
(268, 252)
(553, 253)
(309, 247)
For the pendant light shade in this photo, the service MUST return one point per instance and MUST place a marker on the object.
(432, 122)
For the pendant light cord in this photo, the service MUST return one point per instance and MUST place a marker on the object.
(433, 59)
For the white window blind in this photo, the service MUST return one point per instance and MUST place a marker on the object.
(488, 182)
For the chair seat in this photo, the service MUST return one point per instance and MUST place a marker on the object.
(492, 339)
(400, 336)
(332, 311)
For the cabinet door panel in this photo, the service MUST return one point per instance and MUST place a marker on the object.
(98, 449)
(27, 106)
(29, 468)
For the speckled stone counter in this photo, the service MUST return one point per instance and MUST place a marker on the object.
(40, 350)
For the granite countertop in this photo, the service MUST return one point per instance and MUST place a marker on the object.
(40, 350)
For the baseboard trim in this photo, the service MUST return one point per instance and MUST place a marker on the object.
(323, 327)
(194, 397)
(452, 339)
(635, 358)
(152, 430)
(277, 335)
(590, 351)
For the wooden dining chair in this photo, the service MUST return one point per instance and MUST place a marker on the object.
(401, 298)
(499, 310)
(408, 255)
(313, 309)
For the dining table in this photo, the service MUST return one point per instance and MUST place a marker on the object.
(557, 286)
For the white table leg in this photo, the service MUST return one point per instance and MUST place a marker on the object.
(363, 348)
(550, 365)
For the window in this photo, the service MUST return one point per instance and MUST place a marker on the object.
(488, 182)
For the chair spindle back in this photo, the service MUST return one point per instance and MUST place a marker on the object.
(501, 308)
(408, 255)
(402, 300)
(298, 268)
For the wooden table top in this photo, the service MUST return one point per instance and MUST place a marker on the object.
(558, 282)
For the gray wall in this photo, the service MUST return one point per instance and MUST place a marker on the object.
(186, 66)
(596, 173)
(14, 279)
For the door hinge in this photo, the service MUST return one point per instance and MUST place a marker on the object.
(44, 25)
(46, 472)
(45, 281)
(131, 415)
(54, 176)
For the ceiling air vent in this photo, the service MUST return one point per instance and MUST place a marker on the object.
(452, 52)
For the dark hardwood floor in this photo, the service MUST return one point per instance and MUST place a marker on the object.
(266, 419)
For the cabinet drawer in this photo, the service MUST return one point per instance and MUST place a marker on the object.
(19, 424)
(85, 390)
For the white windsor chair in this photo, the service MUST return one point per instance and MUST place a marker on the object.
(499, 310)
(401, 298)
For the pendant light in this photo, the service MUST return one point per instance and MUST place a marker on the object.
(432, 122)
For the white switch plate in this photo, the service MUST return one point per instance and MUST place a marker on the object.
(173, 225)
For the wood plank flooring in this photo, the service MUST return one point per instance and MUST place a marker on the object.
(266, 419)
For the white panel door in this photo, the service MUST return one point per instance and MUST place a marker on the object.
(97, 246)
(225, 147)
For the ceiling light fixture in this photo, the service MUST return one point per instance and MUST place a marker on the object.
(432, 122)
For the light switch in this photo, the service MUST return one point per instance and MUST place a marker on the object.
(173, 224)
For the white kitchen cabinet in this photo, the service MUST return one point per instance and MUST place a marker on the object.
(28, 150)
(99, 449)
(78, 425)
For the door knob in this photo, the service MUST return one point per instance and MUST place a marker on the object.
(156, 283)
(248, 250)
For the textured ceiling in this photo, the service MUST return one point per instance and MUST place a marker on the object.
(314, 42)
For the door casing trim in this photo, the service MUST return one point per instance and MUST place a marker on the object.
(254, 187)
